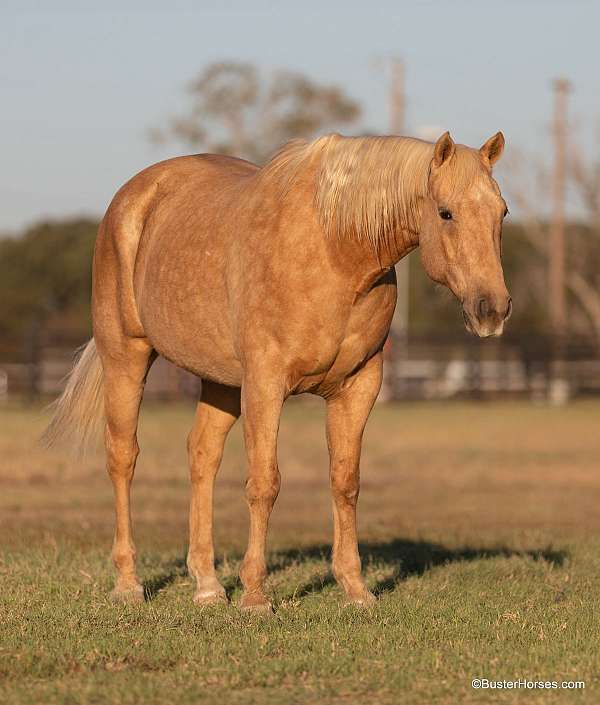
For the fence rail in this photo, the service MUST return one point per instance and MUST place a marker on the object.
(423, 367)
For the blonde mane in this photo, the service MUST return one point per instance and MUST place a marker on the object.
(367, 188)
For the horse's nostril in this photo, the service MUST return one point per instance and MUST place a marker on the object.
(508, 309)
(482, 308)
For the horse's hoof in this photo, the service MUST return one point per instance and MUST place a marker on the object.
(255, 603)
(128, 595)
(365, 599)
(213, 597)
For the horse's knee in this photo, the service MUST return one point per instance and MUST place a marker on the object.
(345, 484)
(263, 489)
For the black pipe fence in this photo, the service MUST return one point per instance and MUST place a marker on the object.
(420, 367)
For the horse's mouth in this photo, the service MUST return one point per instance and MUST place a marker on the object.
(482, 329)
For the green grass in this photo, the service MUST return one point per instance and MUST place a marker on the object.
(481, 531)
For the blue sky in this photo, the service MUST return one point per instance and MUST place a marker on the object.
(81, 82)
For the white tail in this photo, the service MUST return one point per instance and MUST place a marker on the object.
(80, 408)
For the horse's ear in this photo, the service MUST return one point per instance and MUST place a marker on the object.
(493, 148)
(443, 150)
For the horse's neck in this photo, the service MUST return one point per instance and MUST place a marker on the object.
(392, 249)
(363, 265)
(372, 261)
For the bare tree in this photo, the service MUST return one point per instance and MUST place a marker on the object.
(584, 278)
(234, 111)
(528, 187)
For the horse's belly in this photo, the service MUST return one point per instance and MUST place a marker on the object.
(202, 357)
(201, 346)
(187, 322)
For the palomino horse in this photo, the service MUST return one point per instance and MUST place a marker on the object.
(267, 282)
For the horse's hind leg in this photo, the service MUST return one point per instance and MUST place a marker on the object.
(125, 370)
(217, 411)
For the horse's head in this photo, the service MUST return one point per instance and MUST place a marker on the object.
(461, 229)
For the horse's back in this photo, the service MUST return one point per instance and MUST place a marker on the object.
(178, 177)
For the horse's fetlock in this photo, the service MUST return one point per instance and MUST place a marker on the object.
(123, 557)
(253, 574)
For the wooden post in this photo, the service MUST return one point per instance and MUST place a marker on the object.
(397, 110)
(559, 389)
(397, 98)
(33, 358)
(558, 307)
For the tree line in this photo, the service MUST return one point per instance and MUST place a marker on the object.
(45, 288)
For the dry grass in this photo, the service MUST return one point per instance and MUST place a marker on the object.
(480, 525)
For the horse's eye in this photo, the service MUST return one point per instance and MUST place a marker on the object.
(445, 214)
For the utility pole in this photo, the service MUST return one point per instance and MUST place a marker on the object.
(397, 97)
(558, 309)
(559, 390)
(397, 111)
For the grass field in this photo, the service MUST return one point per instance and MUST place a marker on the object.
(481, 536)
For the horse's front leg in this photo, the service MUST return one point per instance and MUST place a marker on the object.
(347, 413)
(261, 408)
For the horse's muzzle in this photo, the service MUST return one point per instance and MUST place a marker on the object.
(485, 315)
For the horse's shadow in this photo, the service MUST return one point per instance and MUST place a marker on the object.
(399, 559)
(175, 569)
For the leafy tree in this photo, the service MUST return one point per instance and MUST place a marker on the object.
(45, 281)
(234, 111)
